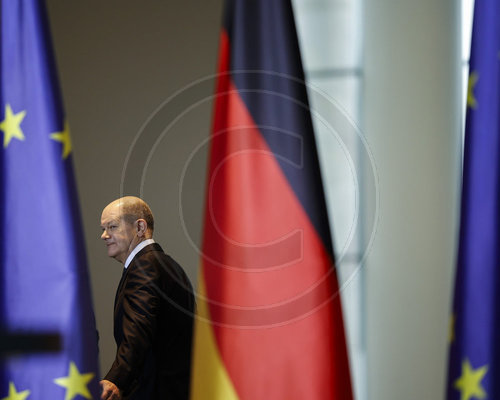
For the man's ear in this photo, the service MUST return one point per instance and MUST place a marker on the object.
(142, 227)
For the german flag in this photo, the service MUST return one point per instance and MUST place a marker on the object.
(269, 321)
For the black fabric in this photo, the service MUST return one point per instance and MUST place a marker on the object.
(153, 324)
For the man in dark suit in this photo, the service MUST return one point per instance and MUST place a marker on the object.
(154, 307)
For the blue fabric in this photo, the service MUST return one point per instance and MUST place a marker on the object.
(476, 307)
(43, 272)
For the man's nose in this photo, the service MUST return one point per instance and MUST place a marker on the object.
(104, 235)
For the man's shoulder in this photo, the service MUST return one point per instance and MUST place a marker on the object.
(155, 263)
(153, 254)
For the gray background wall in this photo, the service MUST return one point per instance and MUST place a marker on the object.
(118, 62)
(412, 103)
(131, 70)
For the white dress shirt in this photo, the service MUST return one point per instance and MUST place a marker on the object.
(136, 250)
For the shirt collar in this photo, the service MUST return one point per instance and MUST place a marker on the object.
(136, 250)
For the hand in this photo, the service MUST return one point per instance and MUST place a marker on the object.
(109, 391)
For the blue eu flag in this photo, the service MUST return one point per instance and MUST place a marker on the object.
(44, 283)
(474, 361)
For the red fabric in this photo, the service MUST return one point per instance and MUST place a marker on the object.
(272, 292)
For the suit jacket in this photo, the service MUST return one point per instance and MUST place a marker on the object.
(153, 322)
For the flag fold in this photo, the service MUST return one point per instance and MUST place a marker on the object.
(43, 273)
(269, 322)
(473, 370)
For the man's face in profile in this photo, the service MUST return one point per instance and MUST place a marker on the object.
(117, 233)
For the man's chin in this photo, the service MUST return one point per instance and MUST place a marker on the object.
(115, 256)
(111, 253)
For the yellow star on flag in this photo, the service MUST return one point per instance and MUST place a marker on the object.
(64, 138)
(15, 395)
(75, 383)
(471, 100)
(469, 384)
(11, 125)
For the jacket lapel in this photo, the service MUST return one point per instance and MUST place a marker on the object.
(119, 291)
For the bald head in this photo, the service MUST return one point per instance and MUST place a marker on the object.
(130, 209)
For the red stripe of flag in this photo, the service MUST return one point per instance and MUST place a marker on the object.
(271, 288)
